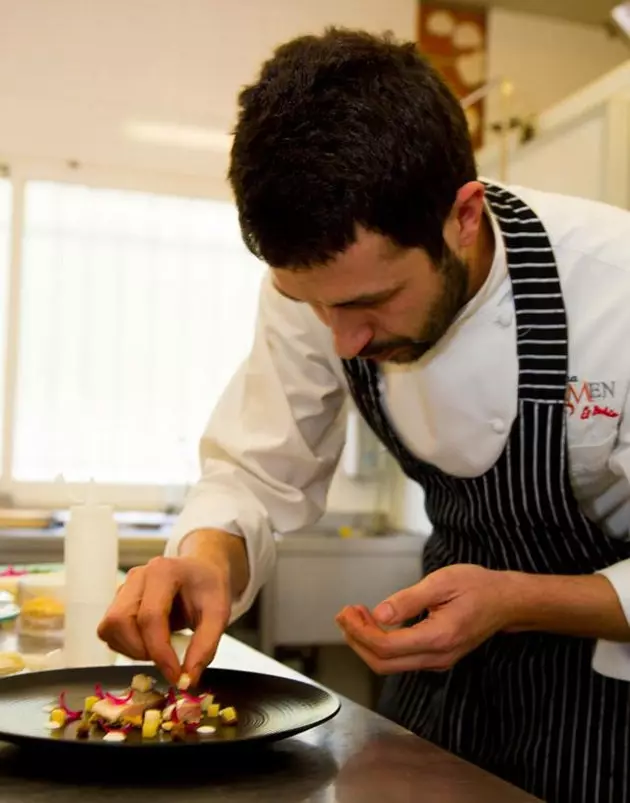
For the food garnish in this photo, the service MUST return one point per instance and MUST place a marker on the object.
(115, 736)
(151, 724)
(142, 709)
(70, 714)
(206, 730)
(184, 682)
(228, 716)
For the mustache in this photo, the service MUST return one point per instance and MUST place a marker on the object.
(384, 347)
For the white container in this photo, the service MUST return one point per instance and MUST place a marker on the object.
(91, 567)
(91, 554)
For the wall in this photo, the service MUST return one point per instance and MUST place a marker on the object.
(546, 59)
(74, 74)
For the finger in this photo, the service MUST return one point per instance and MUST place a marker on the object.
(434, 635)
(119, 627)
(365, 614)
(357, 610)
(432, 662)
(410, 602)
(161, 587)
(214, 613)
(373, 638)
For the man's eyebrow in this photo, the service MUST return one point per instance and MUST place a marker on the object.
(366, 299)
(363, 300)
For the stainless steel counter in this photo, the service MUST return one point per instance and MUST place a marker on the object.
(139, 544)
(358, 757)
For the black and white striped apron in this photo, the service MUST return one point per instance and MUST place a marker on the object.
(527, 707)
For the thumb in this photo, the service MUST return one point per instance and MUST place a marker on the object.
(406, 603)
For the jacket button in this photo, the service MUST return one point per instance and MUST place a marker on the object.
(504, 318)
(498, 426)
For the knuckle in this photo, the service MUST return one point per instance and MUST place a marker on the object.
(147, 618)
(159, 564)
(445, 663)
(447, 639)
(383, 649)
(110, 624)
(103, 630)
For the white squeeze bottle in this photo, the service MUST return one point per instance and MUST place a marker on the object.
(91, 569)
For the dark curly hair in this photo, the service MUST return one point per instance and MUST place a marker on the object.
(342, 130)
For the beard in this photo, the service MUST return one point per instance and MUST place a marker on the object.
(454, 295)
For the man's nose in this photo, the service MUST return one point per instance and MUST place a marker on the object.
(351, 334)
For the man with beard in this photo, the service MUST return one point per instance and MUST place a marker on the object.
(480, 331)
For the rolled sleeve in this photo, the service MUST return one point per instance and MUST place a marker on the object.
(273, 442)
(218, 503)
(613, 658)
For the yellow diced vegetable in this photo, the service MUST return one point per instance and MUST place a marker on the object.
(151, 724)
(58, 715)
(213, 710)
(229, 716)
(167, 726)
(206, 701)
(89, 702)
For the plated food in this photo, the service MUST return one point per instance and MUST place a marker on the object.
(239, 709)
(144, 711)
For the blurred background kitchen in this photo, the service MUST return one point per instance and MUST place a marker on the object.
(121, 267)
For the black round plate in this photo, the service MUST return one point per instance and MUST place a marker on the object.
(269, 707)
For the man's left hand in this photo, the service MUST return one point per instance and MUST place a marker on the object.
(466, 605)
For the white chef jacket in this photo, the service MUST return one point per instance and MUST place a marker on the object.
(273, 441)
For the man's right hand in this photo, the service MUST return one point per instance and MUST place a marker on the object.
(192, 591)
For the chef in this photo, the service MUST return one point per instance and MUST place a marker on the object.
(481, 332)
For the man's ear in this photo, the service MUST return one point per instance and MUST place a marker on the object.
(464, 221)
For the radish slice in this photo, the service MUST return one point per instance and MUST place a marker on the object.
(119, 700)
(191, 697)
(124, 729)
(70, 714)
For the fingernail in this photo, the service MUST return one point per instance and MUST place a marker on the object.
(384, 612)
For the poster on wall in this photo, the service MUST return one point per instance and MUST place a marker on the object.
(454, 39)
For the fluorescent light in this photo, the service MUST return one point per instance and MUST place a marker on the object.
(179, 136)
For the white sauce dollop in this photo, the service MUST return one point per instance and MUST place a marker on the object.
(114, 736)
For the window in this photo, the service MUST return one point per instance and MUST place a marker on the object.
(135, 310)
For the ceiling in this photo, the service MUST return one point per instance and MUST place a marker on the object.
(590, 11)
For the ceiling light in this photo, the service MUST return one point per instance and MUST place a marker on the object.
(179, 136)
